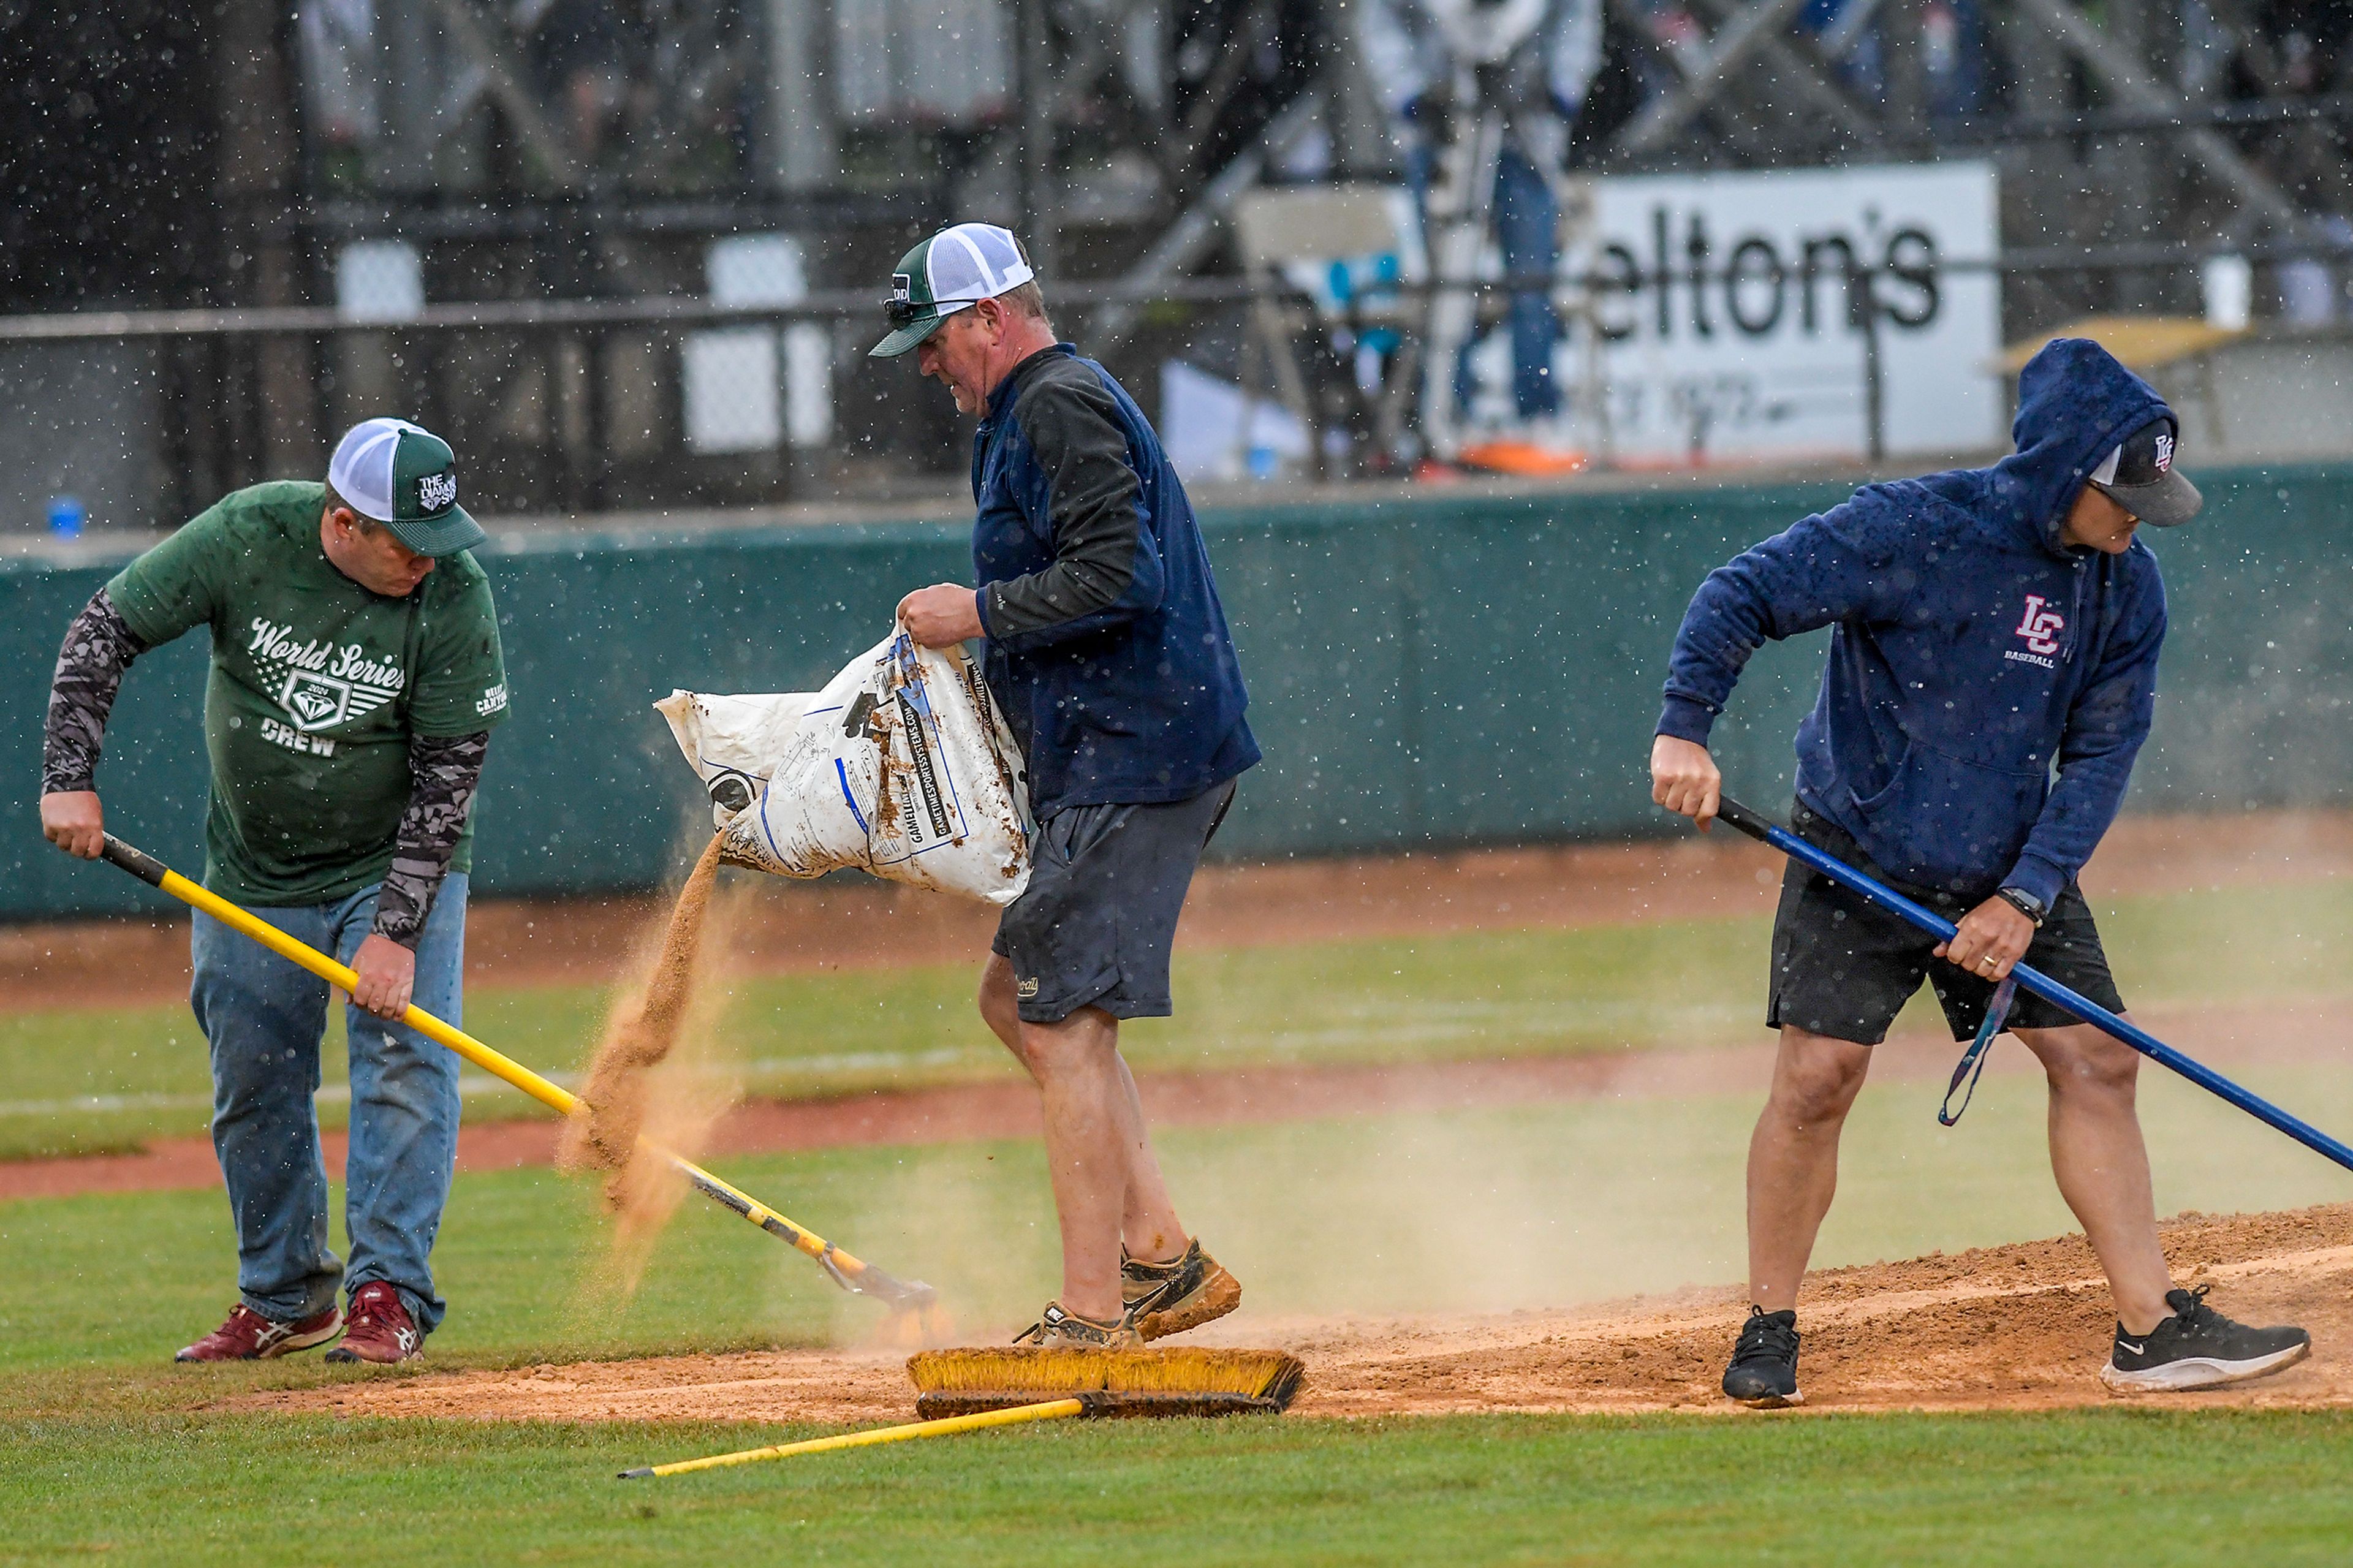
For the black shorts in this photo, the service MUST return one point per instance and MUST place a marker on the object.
(1844, 967)
(1095, 926)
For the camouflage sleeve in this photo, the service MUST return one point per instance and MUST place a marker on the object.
(442, 773)
(98, 647)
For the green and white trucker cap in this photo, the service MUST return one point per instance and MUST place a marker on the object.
(954, 270)
(404, 476)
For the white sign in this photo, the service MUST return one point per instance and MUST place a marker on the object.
(379, 280)
(739, 396)
(1732, 325)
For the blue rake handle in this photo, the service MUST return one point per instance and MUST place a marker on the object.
(2036, 983)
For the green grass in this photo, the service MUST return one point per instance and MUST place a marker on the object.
(2065, 1489)
(105, 1448)
(106, 1451)
(84, 1080)
(109, 1451)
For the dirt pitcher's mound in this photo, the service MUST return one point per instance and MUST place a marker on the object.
(2001, 1328)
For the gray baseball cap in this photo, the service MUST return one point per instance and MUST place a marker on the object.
(2139, 476)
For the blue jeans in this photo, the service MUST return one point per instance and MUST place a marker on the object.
(264, 1020)
(1527, 231)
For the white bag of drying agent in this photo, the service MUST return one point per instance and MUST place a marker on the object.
(902, 766)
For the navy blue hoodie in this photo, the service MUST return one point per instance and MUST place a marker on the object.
(1972, 651)
(1107, 647)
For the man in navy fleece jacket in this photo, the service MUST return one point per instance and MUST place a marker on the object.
(1107, 650)
(1989, 626)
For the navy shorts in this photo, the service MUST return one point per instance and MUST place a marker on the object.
(1095, 926)
(1844, 967)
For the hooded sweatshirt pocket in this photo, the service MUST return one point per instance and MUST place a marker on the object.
(1943, 820)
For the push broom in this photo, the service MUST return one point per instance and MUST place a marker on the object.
(968, 1390)
(2034, 983)
(911, 1302)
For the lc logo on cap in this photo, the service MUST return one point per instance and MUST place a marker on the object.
(406, 478)
(2140, 476)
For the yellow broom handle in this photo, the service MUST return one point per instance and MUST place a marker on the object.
(297, 951)
(1049, 1411)
(154, 873)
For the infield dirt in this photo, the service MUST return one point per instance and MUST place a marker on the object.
(2018, 1327)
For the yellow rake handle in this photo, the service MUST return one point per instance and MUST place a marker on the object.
(849, 1272)
(1049, 1411)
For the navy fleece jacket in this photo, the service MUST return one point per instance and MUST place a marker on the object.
(1107, 647)
(1972, 652)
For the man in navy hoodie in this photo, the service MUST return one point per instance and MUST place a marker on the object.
(1108, 651)
(1989, 626)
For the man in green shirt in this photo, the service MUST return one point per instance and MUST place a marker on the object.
(355, 677)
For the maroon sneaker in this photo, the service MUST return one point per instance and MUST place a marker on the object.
(380, 1329)
(249, 1336)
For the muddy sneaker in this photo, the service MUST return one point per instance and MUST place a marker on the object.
(1164, 1299)
(249, 1336)
(1057, 1330)
(2197, 1347)
(381, 1330)
(1764, 1371)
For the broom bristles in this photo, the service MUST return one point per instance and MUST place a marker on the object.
(1188, 1380)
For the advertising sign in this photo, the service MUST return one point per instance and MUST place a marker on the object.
(1730, 315)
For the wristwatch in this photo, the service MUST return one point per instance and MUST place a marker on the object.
(2025, 903)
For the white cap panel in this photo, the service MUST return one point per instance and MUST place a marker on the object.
(362, 468)
(974, 261)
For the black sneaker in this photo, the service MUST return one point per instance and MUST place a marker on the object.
(1057, 1330)
(2197, 1347)
(1764, 1371)
(1164, 1299)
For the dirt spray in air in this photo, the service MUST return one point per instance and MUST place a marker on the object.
(651, 1077)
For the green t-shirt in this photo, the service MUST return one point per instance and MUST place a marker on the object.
(317, 685)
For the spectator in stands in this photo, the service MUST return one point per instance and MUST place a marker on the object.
(1953, 51)
(1424, 58)
(2305, 42)
(581, 51)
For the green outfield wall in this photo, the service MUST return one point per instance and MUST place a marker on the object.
(1424, 673)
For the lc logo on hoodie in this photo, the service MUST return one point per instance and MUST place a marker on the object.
(2040, 627)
